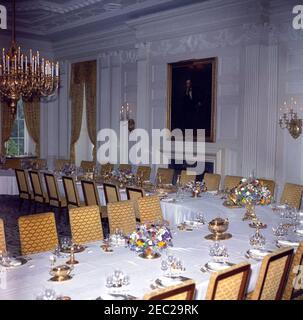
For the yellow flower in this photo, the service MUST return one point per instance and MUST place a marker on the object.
(161, 244)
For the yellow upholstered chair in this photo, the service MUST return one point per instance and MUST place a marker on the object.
(106, 168)
(229, 284)
(23, 186)
(38, 192)
(13, 164)
(231, 182)
(121, 215)
(125, 167)
(149, 209)
(71, 192)
(183, 291)
(292, 195)
(144, 172)
(87, 165)
(38, 233)
(60, 163)
(86, 224)
(91, 196)
(2, 237)
(292, 293)
(55, 199)
(111, 193)
(39, 164)
(165, 175)
(186, 178)
(212, 181)
(134, 193)
(273, 275)
(270, 184)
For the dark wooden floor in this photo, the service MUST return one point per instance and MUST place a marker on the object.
(10, 211)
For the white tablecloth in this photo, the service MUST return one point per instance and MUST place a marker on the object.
(8, 183)
(26, 282)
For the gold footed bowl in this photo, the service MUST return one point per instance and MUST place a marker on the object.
(149, 254)
(218, 227)
(61, 273)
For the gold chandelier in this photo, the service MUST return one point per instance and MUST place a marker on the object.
(23, 76)
(290, 120)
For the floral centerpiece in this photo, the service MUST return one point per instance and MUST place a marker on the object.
(150, 239)
(250, 192)
(196, 187)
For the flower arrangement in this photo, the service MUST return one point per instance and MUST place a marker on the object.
(250, 191)
(150, 238)
(196, 187)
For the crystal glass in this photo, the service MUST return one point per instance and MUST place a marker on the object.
(117, 279)
(257, 240)
(218, 251)
(47, 294)
(280, 231)
(65, 242)
(200, 217)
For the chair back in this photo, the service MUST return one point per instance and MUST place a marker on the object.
(229, 284)
(106, 168)
(22, 182)
(90, 192)
(273, 275)
(60, 163)
(111, 193)
(183, 291)
(231, 181)
(71, 192)
(39, 164)
(294, 285)
(270, 184)
(150, 209)
(86, 224)
(292, 195)
(144, 172)
(166, 175)
(13, 164)
(52, 189)
(2, 237)
(87, 165)
(38, 233)
(36, 184)
(186, 178)
(125, 167)
(212, 181)
(134, 193)
(121, 215)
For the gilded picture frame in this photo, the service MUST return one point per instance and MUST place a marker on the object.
(191, 96)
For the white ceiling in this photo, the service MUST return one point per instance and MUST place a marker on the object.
(63, 18)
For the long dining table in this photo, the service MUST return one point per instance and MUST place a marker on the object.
(89, 276)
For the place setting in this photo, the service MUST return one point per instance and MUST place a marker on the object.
(219, 259)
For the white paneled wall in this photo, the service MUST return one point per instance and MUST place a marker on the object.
(259, 66)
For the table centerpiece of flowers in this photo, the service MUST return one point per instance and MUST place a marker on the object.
(249, 193)
(149, 239)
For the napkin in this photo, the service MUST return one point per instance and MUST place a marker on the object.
(299, 232)
(288, 243)
(258, 253)
(167, 281)
(217, 266)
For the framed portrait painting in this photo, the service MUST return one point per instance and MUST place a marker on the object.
(192, 96)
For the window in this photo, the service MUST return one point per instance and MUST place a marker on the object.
(19, 142)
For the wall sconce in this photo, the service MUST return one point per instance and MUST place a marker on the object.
(125, 115)
(290, 120)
